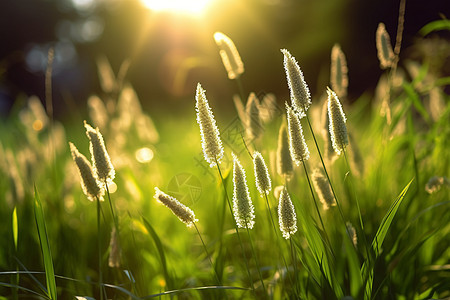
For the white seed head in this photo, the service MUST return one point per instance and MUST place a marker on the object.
(101, 162)
(243, 209)
(211, 143)
(184, 213)
(114, 250)
(384, 47)
(286, 215)
(263, 183)
(339, 71)
(351, 231)
(297, 145)
(230, 55)
(323, 189)
(105, 74)
(300, 96)
(92, 188)
(337, 119)
(253, 123)
(98, 112)
(329, 153)
(284, 160)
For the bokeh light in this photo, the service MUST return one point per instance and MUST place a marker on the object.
(180, 6)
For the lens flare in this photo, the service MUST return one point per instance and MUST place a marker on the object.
(180, 6)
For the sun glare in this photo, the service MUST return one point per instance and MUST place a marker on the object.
(181, 6)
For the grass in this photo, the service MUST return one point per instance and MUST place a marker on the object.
(50, 244)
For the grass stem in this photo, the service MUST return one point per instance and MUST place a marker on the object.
(235, 226)
(207, 254)
(100, 273)
(256, 259)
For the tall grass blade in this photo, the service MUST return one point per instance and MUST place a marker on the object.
(317, 247)
(387, 221)
(45, 246)
(367, 271)
(161, 253)
(15, 227)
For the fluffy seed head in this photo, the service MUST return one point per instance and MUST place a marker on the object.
(329, 153)
(351, 231)
(98, 112)
(230, 55)
(253, 123)
(337, 119)
(284, 160)
(114, 250)
(339, 70)
(101, 162)
(211, 143)
(262, 177)
(286, 215)
(323, 189)
(297, 145)
(300, 96)
(92, 188)
(243, 209)
(184, 213)
(384, 47)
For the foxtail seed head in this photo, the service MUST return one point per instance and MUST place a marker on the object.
(300, 96)
(184, 213)
(243, 209)
(297, 145)
(253, 124)
(114, 251)
(384, 47)
(230, 55)
(338, 129)
(211, 143)
(92, 188)
(351, 231)
(101, 162)
(339, 70)
(323, 189)
(286, 215)
(262, 177)
(284, 160)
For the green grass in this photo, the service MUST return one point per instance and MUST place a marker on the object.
(49, 239)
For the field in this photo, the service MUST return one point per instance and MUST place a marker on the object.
(372, 223)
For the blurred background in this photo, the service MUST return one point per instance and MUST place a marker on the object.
(169, 50)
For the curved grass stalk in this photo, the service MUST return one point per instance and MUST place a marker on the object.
(317, 210)
(207, 254)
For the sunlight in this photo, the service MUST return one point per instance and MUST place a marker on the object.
(181, 6)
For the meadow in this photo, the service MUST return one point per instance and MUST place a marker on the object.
(360, 191)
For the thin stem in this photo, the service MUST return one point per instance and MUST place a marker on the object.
(294, 264)
(235, 226)
(207, 254)
(256, 259)
(353, 188)
(116, 220)
(317, 208)
(100, 280)
(325, 170)
(276, 234)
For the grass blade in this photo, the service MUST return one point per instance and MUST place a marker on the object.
(160, 248)
(15, 227)
(387, 221)
(45, 246)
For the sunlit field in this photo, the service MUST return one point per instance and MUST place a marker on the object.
(307, 195)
